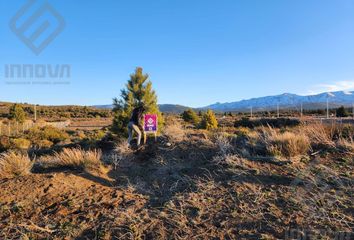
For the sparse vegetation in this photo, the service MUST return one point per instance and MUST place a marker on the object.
(232, 182)
(13, 164)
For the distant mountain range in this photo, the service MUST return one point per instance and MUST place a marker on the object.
(286, 100)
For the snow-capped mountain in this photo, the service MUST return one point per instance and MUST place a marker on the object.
(288, 100)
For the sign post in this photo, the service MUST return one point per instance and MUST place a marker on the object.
(150, 125)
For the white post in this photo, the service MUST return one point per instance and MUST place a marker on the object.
(278, 110)
(327, 109)
(251, 112)
(301, 110)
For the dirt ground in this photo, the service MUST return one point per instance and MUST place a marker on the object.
(181, 191)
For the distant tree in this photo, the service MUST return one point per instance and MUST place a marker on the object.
(200, 114)
(209, 121)
(138, 91)
(230, 114)
(191, 116)
(17, 113)
(342, 112)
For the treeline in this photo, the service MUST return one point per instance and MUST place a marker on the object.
(53, 112)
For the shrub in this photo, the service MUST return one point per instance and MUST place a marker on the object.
(286, 144)
(17, 113)
(20, 143)
(73, 158)
(242, 132)
(223, 143)
(5, 142)
(191, 116)
(54, 134)
(81, 135)
(209, 121)
(50, 133)
(44, 144)
(272, 122)
(13, 164)
(342, 112)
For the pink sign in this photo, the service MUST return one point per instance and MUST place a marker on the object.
(150, 123)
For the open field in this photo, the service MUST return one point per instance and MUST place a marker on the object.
(230, 183)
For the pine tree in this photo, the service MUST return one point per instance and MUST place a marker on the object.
(209, 121)
(138, 91)
(17, 113)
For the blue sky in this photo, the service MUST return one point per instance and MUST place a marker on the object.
(197, 52)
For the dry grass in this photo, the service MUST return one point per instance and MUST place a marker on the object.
(73, 158)
(320, 134)
(175, 132)
(287, 144)
(14, 164)
(332, 136)
(223, 143)
(348, 144)
(121, 152)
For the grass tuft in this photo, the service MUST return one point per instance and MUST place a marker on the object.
(75, 158)
(14, 164)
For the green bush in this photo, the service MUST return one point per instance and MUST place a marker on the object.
(20, 143)
(191, 117)
(50, 133)
(17, 113)
(54, 134)
(209, 121)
